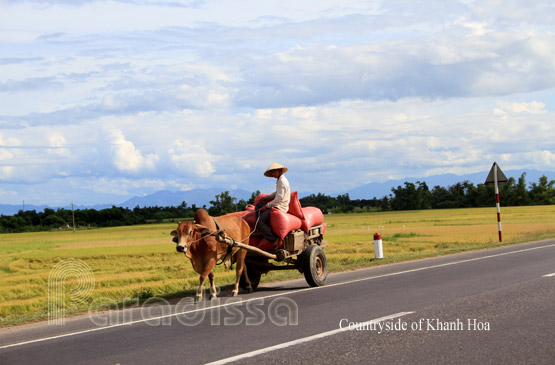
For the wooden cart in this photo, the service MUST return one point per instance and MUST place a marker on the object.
(302, 251)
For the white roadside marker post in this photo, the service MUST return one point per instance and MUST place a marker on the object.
(378, 248)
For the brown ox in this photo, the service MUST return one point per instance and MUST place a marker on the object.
(196, 240)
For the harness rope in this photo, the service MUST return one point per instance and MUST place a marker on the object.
(230, 247)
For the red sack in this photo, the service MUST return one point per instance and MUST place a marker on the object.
(295, 206)
(262, 243)
(250, 218)
(249, 208)
(283, 223)
(312, 217)
(254, 240)
(258, 198)
(266, 245)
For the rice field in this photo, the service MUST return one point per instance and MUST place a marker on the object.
(138, 262)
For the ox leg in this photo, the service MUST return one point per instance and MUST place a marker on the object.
(214, 292)
(247, 280)
(202, 280)
(241, 269)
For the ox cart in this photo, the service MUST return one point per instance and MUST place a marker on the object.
(301, 250)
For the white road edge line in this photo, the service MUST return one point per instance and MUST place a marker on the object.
(549, 275)
(302, 340)
(296, 291)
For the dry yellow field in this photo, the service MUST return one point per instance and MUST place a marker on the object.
(141, 261)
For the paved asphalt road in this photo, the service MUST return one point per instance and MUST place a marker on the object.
(493, 306)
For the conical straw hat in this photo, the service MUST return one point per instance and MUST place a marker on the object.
(275, 166)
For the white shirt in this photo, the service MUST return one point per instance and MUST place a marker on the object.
(282, 195)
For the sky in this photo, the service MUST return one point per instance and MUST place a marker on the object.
(101, 101)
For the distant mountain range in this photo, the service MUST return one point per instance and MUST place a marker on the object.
(163, 198)
(11, 209)
(201, 197)
(198, 197)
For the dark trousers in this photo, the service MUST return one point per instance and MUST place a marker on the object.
(264, 226)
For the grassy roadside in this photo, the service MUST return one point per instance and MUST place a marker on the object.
(140, 261)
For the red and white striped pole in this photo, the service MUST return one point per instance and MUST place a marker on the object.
(497, 202)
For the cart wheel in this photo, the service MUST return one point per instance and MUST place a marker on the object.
(315, 265)
(254, 276)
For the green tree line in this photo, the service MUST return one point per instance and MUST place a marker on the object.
(406, 197)
(30, 220)
(418, 195)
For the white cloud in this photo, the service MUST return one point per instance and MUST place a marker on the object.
(58, 145)
(126, 156)
(117, 16)
(534, 107)
(5, 155)
(547, 158)
(6, 172)
(9, 141)
(126, 97)
(476, 28)
(191, 158)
